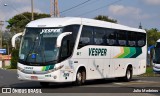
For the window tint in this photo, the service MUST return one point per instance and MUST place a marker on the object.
(132, 39)
(86, 36)
(121, 38)
(74, 29)
(141, 39)
(64, 52)
(158, 45)
(99, 34)
(110, 37)
(68, 42)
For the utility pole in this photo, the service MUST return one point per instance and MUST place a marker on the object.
(32, 10)
(1, 33)
(54, 10)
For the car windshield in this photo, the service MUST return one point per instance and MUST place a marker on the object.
(38, 45)
(157, 53)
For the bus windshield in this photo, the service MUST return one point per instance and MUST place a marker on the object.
(38, 46)
(157, 53)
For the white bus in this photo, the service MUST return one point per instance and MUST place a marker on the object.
(156, 57)
(78, 49)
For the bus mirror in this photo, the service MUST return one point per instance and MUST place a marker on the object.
(60, 37)
(14, 39)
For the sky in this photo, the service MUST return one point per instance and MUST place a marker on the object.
(126, 12)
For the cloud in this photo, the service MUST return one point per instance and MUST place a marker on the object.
(28, 9)
(12, 11)
(18, 1)
(132, 12)
(152, 2)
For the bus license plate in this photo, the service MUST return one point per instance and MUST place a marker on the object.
(34, 77)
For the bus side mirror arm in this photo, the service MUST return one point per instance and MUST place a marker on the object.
(60, 37)
(14, 39)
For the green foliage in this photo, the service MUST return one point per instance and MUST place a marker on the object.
(152, 36)
(14, 58)
(105, 18)
(150, 73)
(7, 36)
(18, 22)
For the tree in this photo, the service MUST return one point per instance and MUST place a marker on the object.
(152, 36)
(7, 41)
(105, 18)
(14, 58)
(18, 22)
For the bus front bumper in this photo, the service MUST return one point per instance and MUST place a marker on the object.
(50, 77)
(156, 70)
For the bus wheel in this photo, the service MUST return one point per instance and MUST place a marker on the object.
(80, 77)
(44, 84)
(128, 75)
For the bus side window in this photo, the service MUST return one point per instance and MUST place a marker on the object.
(121, 38)
(110, 37)
(68, 42)
(131, 39)
(98, 36)
(141, 39)
(64, 51)
(86, 37)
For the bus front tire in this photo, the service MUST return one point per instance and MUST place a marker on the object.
(44, 84)
(80, 77)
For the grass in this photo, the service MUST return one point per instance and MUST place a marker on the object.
(149, 72)
(7, 67)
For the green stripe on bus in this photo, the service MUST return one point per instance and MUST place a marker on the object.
(138, 52)
(131, 52)
(46, 68)
(126, 52)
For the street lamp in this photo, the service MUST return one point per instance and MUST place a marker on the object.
(17, 11)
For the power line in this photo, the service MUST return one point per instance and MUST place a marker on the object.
(18, 12)
(99, 8)
(75, 6)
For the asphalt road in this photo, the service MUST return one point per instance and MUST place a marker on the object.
(8, 78)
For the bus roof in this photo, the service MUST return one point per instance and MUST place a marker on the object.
(158, 40)
(64, 21)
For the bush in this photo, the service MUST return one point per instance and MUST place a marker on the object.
(14, 58)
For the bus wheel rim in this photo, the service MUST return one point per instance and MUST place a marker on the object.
(79, 76)
(128, 75)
